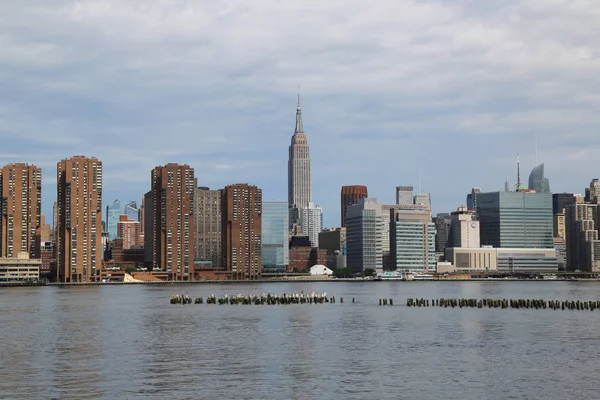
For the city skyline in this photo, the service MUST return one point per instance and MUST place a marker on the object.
(153, 105)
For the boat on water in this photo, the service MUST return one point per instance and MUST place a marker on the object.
(403, 276)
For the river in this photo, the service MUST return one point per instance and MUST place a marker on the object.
(128, 342)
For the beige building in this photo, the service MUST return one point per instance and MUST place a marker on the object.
(19, 268)
(79, 210)
(464, 228)
(169, 224)
(20, 209)
(208, 225)
(559, 226)
(502, 259)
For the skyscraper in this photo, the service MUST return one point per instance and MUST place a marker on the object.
(113, 212)
(20, 210)
(364, 235)
(208, 225)
(298, 169)
(79, 209)
(351, 195)
(131, 210)
(413, 239)
(514, 219)
(311, 221)
(241, 209)
(129, 231)
(171, 228)
(275, 237)
(404, 194)
(537, 180)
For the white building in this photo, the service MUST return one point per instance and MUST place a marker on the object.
(364, 234)
(320, 270)
(311, 222)
(413, 239)
(464, 228)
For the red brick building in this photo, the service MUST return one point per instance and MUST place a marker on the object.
(351, 195)
(129, 231)
(304, 257)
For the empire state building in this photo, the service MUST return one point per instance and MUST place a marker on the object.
(298, 170)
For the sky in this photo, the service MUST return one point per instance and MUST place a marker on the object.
(392, 91)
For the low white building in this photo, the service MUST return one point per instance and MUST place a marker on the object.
(320, 270)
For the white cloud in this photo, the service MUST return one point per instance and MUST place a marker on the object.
(448, 90)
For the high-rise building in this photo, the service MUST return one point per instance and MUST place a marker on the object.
(148, 223)
(171, 229)
(537, 180)
(464, 228)
(514, 219)
(275, 237)
(351, 195)
(113, 213)
(132, 211)
(387, 213)
(79, 208)
(20, 210)
(560, 201)
(241, 208)
(413, 239)
(208, 226)
(423, 199)
(404, 194)
(443, 223)
(333, 240)
(364, 232)
(298, 169)
(592, 195)
(129, 231)
(472, 199)
(311, 221)
(582, 238)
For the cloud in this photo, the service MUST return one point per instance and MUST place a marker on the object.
(450, 91)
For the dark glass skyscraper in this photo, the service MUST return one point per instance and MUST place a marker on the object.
(515, 219)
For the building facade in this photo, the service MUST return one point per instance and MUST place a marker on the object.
(413, 240)
(241, 231)
(404, 195)
(364, 232)
(172, 220)
(443, 239)
(20, 210)
(208, 226)
(464, 228)
(113, 214)
(79, 207)
(350, 196)
(299, 173)
(582, 238)
(19, 268)
(537, 180)
(514, 219)
(129, 231)
(311, 222)
(275, 237)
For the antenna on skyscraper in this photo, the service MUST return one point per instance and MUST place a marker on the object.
(518, 174)
(506, 185)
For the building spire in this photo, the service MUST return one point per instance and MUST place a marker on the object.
(518, 174)
(299, 127)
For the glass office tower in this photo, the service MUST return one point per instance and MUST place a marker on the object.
(515, 219)
(275, 241)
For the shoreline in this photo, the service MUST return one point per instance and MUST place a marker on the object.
(308, 280)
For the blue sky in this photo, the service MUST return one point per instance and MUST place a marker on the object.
(450, 90)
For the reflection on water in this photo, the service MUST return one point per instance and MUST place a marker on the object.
(129, 342)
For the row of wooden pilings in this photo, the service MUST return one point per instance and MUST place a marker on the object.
(505, 303)
(259, 299)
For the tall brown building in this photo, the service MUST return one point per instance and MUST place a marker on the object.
(351, 195)
(79, 210)
(241, 209)
(208, 225)
(20, 210)
(129, 232)
(169, 220)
